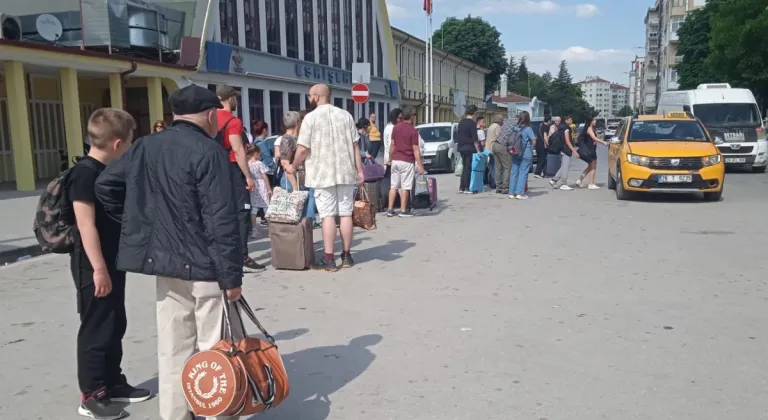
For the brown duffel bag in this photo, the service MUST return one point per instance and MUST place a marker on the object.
(236, 378)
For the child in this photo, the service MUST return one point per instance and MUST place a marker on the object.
(261, 194)
(100, 286)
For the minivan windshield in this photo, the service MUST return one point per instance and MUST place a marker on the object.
(667, 130)
(728, 115)
(435, 134)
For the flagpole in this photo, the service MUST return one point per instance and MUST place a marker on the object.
(427, 63)
(431, 70)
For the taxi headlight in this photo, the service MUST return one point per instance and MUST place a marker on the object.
(711, 160)
(638, 160)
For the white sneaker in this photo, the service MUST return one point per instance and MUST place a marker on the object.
(578, 183)
(521, 197)
(565, 188)
(593, 187)
(537, 176)
(552, 183)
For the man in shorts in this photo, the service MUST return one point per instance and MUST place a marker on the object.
(405, 154)
(329, 143)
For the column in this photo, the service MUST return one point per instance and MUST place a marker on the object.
(283, 41)
(155, 95)
(300, 24)
(263, 24)
(18, 118)
(245, 101)
(329, 31)
(364, 34)
(285, 104)
(267, 110)
(342, 38)
(115, 91)
(240, 10)
(317, 33)
(374, 20)
(70, 103)
(354, 32)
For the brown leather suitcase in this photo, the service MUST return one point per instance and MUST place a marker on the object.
(293, 247)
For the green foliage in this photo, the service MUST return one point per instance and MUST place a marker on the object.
(626, 111)
(477, 41)
(522, 70)
(511, 73)
(726, 42)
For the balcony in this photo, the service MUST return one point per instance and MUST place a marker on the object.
(673, 36)
(653, 36)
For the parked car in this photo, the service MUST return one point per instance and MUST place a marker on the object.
(438, 151)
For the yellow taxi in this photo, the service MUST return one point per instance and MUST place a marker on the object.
(670, 153)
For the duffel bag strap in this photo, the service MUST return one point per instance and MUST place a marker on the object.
(243, 304)
(226, 322)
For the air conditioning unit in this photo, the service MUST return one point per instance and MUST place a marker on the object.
(11, 27)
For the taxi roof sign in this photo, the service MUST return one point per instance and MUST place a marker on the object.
(678, 114)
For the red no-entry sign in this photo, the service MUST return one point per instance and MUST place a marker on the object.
(360, 93)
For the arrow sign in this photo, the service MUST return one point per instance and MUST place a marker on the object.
(360, 93)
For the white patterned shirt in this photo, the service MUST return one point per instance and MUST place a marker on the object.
(330, 135)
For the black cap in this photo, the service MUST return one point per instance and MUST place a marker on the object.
(226, 92)
(193, 99)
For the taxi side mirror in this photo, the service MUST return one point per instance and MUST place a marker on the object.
(615, 140)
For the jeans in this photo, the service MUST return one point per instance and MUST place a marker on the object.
(521, 166)
(502, 166)
(541, 153)
(466, 160)
(309, 206)
(561, 177)
(243, 198)
(373, 148)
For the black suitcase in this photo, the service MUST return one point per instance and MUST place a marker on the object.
(553, 164)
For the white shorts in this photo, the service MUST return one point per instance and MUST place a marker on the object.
(402, 175)
(335, 201)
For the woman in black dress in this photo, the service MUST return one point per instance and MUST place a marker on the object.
(588, 140)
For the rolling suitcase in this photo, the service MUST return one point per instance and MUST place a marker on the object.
(425, 193)
(293, 247)
(373, 190)
(553, 164)
(476, 183)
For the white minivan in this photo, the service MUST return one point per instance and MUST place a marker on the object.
(732, 117)
(438, 145)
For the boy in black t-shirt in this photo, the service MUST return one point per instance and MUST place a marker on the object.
(100, 286)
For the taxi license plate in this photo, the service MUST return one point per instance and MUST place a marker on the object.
(735, 160)
(426, 161)
(675, 178)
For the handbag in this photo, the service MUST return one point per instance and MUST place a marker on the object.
(372, 171)
(286, 207)
(236, 378)
(363, 212)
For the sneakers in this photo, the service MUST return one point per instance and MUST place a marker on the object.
(537, 176)
(324, 265)
(578, 184)
(98, 406)
(391, 213)
(552, 183)
(123, 392)
(406, 213)
(346, 258)
(593, 187)
(565, 188)
(521, 197)
(251, 266)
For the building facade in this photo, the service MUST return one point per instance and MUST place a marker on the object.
(273, 51)
(457, 82)
(662, 22)
(635, 84)
(619, 98)
(605, 97)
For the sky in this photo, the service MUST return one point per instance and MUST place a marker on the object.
(596, 37)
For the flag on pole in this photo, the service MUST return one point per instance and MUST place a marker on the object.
(428, 6)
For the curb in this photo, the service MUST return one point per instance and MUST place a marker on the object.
(13, 255)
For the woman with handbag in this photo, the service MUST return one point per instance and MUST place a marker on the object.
(288, 146)
(588, 140)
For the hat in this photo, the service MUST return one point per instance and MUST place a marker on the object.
(226, 92)
(193, 99)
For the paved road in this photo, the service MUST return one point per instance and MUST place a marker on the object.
(568, 306)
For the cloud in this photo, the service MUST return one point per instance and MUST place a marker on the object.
(528, 7)
(398, 12)
(610, 64)
(586, 10)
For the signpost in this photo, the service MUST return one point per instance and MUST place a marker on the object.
(360, 93)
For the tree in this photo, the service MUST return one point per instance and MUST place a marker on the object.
(564, 79)
(511, 73)
(625, 111)
(522, 71)
(693, 38)
(476, 41)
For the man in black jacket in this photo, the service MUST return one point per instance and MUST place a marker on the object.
(173, 193)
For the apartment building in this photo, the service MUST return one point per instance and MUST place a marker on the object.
(662, 21)
(635, 83)
(605, 97)
(619, 98)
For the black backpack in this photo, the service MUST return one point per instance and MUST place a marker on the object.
(54, 224)
(556, 143)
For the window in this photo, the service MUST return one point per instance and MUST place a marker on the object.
(291, 29)
(273, 26)
(336, 33)
(379, 55)
(674, 23)
(252, 30)
(322, 29)
(348, 52)
(359, 30)
(728, 114)
(667, 131)
(309, 30)
(369, 29)
(338, 102)
(673, 75)
(256, 104)
(276, 111)
(294, 102)
(351, 106)
(381, 116)
(228, 21)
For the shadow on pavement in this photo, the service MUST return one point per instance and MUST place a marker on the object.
(390, 251)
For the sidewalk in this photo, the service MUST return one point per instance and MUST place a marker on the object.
(17, 211)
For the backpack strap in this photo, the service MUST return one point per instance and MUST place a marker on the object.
(223, 132)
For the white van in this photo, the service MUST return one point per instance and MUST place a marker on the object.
(437, 142)
(732, 118)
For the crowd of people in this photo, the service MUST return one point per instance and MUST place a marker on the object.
(556, 143)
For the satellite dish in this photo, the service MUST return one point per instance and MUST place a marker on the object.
(49, 27)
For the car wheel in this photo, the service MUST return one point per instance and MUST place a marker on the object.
(452, 165)
(621, 193)
(611, 182)
(759, 169)
(714, 196)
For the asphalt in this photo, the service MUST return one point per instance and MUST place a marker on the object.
(571, 305)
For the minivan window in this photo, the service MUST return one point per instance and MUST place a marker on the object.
(728, 115)
(435, 134)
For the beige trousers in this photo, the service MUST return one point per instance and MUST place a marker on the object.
(189, 316)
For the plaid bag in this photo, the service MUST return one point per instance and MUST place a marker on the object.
(286, 207)
(364, 214)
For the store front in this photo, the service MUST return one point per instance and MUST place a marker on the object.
(271, 84)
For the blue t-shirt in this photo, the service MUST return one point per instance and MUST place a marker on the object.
(528, 137)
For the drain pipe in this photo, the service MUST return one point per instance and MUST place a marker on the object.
(122, 83)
